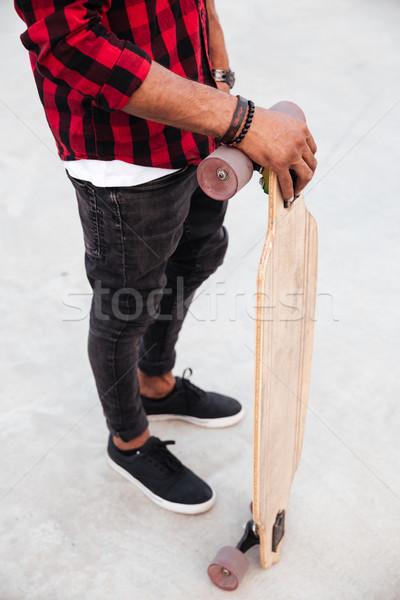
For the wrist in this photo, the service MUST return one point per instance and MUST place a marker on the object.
(240, 124)
(246, 124)
(251, 141)
(237, 120)
(224, 87)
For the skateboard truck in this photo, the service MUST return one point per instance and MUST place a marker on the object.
(250, 537)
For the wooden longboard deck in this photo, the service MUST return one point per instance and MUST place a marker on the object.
(286, 295)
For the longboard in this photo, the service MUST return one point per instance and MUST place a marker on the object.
(286, 296)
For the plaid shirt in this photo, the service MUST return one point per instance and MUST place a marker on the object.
(89, 56)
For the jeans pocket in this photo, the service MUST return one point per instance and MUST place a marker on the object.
(91, 219)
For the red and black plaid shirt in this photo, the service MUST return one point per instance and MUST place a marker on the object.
(89, 56)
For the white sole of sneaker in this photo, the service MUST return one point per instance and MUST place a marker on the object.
(186, 509)
(208, 423)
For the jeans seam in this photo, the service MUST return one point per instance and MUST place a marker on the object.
(114, 198)
(164, 337)
(115, 341)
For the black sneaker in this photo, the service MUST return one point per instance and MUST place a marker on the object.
(189, 403)
(162, 477)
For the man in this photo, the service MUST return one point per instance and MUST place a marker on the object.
(130, 96)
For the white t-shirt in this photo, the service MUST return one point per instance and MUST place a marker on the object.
(113, 173)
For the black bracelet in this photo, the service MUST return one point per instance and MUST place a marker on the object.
(236, 122)
(246, 127)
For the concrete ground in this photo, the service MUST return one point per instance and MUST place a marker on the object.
(70, 527)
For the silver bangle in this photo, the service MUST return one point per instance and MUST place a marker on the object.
(224, 76)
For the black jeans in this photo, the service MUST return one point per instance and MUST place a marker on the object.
(147, 249)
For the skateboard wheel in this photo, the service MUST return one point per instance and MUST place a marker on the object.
(222, 174)
(228, 568)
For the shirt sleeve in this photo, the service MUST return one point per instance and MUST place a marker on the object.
(73, 48)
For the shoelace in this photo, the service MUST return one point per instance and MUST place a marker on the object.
(188, 385)
(162, 457)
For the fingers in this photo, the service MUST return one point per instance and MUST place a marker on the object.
(311, 143)
(305, 168)
(302, 173)
(286, 183)
(292, 185)
(310, 160)
(304, 176)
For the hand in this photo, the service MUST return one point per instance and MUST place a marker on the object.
(225, 87)
(280, 142)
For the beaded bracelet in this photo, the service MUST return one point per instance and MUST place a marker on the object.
(236, 122)
(247, 124)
